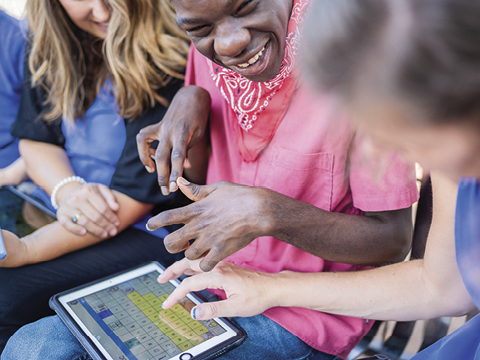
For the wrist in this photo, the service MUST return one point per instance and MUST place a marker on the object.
(291, 289)
(268, 212)
(68, 181)
(65, 192)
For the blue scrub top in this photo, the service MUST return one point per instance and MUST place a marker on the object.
(12, 54)
(464, 343)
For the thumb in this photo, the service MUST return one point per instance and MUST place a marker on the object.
(193, 191)
(210, 310)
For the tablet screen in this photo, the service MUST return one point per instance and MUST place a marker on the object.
(18, 215)
(128, 322)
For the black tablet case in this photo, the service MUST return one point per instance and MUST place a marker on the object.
(97, 355)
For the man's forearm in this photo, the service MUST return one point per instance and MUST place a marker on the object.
(373, 239)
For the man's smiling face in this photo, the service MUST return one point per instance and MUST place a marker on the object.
(246, 36)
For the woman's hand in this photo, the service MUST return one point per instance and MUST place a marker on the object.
(94, 205)
(16, 250)
(225, 218)
(182, 126)
(248, 292)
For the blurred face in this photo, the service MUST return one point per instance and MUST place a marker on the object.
(452, 149)
(91, 16)
(246, 36)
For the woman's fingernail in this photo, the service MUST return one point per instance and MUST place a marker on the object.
(173, 186)
(149, 169)
(149, 227)
(113, 232)
(183, 181)
(165, 191)
(197, 313)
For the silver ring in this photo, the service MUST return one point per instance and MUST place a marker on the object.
(75, 218)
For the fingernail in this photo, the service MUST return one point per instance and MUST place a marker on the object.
(104, 234)
(173, 186)
(165, 191)
(183, 181)
(149, 227)
(197, 313)
(149, 169)
(163, 304)
(113, 232)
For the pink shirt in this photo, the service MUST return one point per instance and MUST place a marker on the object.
(309, 159)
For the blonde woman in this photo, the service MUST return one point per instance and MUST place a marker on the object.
(96, 73)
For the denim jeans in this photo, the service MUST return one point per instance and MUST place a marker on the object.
(50, 339)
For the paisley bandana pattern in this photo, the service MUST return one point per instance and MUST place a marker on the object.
(250, 100)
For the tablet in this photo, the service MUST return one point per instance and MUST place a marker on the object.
(3, 250)
(20, 213)
(121, 317)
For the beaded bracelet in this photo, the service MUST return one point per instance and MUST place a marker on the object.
(62, 183)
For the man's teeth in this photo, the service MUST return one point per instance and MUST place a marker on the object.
(253, 60)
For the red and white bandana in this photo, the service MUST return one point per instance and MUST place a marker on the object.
(260, 106)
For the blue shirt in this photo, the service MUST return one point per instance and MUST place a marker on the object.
(12, 54)
(94, 145)
(464, 343)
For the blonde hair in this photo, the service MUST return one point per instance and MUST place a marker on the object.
(143, 51)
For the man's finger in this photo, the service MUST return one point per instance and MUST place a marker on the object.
(211, 260)
(197, 250)
(179, 154)
(162, 161)
(193, 191)
(170, 217)
(144, 146)
(179, 240)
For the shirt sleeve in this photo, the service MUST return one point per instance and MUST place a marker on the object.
(380, 181)
(130, 177)
(29, 123)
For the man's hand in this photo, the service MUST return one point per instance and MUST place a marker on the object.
(225, 218)
(182, 126)
(248, 292)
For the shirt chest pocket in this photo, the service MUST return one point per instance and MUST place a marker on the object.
(305, 177)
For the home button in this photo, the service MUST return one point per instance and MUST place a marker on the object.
(186, 356)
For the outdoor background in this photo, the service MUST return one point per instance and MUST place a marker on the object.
(13, 7)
